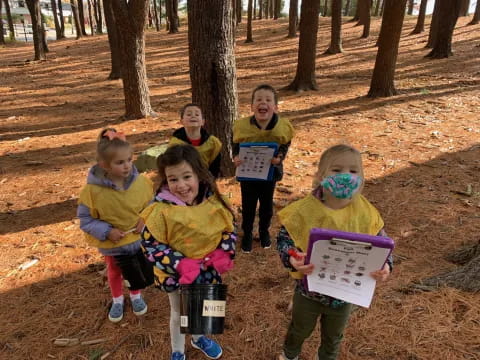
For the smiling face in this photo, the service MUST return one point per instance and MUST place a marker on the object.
(263, 106)
(182, 182)
(192, 117)
(120, 165)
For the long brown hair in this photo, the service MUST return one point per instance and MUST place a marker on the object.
(177, 154)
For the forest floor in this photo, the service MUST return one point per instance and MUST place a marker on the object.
(421, 152)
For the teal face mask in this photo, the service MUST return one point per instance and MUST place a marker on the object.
(342, 186)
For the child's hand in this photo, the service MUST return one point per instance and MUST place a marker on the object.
(299, 264)
(139, 227)
(115, 235)
(381, 275)
(237, 162)
(276, 160)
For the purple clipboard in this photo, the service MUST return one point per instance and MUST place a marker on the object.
(345, 237)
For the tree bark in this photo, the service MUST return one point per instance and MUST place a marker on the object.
(347, 8)
(420, 27)
(61, 19)
(434, 23)
(90, 17)
(382, 84)
(449, 11)
(465, 4)
(2, 37)
(212, 69)
(98, 15)
(305, 75)
(410, 7)
(36, 16)
(270, 9)
(249, 22)
(11, 28)
(130, 19)
(277, 9)
(44, 33)
(356, 17)
(336, 30)
(476, 15)
(260, 9)
(113, 41)
(172, 16)
(325, 8)
(160, 12)
(292, 18)
(76, 18)
(365, 17)
(255, 10)
(81, 17)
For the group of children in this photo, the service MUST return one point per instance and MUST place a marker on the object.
(185, 228)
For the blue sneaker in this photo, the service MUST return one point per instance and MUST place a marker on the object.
(178, 356)
(209, 347)
(116, 312)
(139, 306)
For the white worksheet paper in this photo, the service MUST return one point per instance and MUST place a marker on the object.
(256, 162)
(341, 270)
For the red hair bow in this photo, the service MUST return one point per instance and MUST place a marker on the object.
(110, 134)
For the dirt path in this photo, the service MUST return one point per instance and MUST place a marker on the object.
(419, 148)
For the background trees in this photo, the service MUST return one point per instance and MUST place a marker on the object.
(38, 34)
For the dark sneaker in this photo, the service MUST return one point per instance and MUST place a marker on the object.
(116, 312)
(265, 240)
(247, 243)
(139, 306)
(209, 347)
(178, 356)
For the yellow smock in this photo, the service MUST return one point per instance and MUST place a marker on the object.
(245, 131)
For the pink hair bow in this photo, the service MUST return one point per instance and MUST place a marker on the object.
(110, 134)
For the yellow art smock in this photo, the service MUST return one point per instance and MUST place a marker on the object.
(298, 218)
(245, 131)
(119, 208)
(208, 151)
(195, 231)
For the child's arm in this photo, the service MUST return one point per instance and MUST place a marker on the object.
(95, 227)
(291, 258)
(384, 273)
(281, 154)
(214, 167)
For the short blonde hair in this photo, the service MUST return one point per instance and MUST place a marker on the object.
(329, 155)
(107, 147)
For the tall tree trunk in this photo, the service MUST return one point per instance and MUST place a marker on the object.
(2, 37)
(292, 18)
(364, 12)
(336, 32)
(11, 28)
(98, 15)
(239, 8)
(130, 19)
(90, 17)
(464, 6)
(305, 76)
(347, 8)
(113, 41)
(150, 17)
(260, 9)
(255, 10)
(81, 17)
(448, 13)
(382, 84)
(278, 9)
(38, 34)
(61, 19)
(249, 22)
(155, 14)
(76, 18)
(212, 69)
(377, 7)
(325, 8)
(476, 15)
(420, 27)
(160, 12)
(410, 7)
(271, 10)
(434, 24)
(172, 15)
(44, 32)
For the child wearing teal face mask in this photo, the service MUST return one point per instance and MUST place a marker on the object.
(336, 203)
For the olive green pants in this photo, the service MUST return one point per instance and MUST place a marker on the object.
(305, 314)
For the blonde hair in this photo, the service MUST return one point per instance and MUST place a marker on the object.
(107, 147)
(329, 155)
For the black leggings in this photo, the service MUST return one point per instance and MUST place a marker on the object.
(252, 192)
